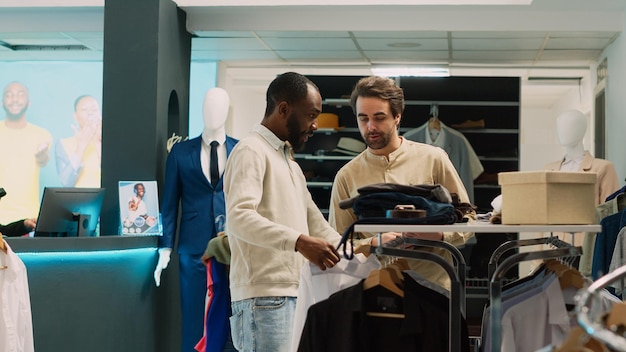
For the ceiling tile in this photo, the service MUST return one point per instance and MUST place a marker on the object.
(400, 34)
(303, 34)
(381, 55)
(570, 54)
(498, 44)
(577, 43)
(310, 44)
(233, 55)
(491, 55)
(226, 44)
(319, 54)
(498, 34)
(224, 34)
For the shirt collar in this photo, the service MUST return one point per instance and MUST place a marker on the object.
(577, 159)
(208, 139)
(441, 138)
(269, 136)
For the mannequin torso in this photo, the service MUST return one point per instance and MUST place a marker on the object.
(202, 209)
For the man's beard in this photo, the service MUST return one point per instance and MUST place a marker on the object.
(294, 134)
(382, 141)
(14, 117)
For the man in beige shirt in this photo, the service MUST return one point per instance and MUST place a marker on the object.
(389, 158)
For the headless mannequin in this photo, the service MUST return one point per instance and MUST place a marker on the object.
(214, 114)
(188, 182)
(571, 126)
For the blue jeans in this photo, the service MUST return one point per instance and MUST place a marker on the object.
(262, 324)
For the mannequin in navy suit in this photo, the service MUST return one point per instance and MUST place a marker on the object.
(202, 207)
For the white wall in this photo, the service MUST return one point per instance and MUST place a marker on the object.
(247, 87)
(616, 105)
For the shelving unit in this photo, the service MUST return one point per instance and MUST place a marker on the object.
(496, 100)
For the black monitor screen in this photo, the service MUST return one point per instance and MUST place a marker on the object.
(68, 212)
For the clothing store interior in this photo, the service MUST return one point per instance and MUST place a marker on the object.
(110, 105)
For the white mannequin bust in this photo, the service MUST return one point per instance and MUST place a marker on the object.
(214, 113)
(571, 126)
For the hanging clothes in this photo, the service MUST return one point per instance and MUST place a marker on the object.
(459, 149)
(16, 325)
(605, 243)
(317, 285)
(612, 206)
(342, 323)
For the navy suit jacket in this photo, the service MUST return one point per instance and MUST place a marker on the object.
(200, 203)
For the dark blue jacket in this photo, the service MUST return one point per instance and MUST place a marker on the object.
(200, 203)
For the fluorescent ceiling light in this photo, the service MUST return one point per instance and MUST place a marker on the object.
(417, 71)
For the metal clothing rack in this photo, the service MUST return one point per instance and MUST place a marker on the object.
(592, 326)
(512, 244)
(456, 307)
(495, 284)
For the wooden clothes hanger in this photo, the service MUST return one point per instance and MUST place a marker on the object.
(433, 121)
(568, 276)
(383, 278)
(616, 319)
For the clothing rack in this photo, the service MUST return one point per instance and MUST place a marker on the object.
(495, 284)
(506, 246)
(459, 261)
(455, 283)
(592, 326)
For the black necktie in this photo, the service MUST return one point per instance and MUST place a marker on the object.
(215, 172)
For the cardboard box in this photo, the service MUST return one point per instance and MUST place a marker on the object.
(548, 197)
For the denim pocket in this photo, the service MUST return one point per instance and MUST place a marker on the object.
(269, 302)
(236, 329)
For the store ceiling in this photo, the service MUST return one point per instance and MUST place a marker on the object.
(549, 38)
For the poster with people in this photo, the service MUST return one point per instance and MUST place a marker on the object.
(139, 208)
(51, 127)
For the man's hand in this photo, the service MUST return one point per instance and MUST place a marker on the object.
(41, 154)
(432, 236)
(30, 223)
(317, 251)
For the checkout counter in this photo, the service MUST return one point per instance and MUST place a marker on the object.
(94, 293)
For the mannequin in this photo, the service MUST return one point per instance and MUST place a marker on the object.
(202, 209)
(571, 126)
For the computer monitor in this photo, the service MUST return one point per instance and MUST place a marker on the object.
(69, 212)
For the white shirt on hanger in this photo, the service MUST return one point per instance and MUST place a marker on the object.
(317, 285)
(16, 325)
